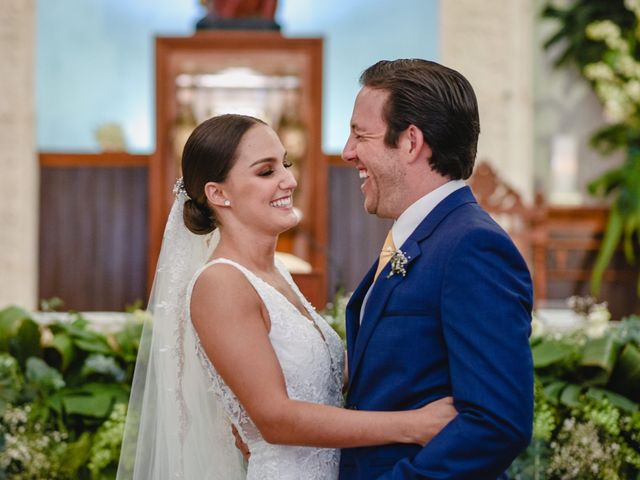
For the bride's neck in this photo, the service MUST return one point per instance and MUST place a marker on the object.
(250, 249)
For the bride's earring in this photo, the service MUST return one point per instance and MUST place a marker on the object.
(227, 203)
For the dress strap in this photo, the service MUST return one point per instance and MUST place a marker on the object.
(253, 279)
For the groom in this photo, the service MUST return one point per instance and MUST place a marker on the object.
(446, 309)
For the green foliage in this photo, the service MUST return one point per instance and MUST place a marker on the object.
(335, 314)
(602, 39)
(63, 391)
(105, 450)
(587, 406)
(572, 22)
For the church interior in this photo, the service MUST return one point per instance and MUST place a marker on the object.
(102, 121)
(98, 98)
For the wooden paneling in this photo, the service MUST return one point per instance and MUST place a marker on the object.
(355, 237)
(93, 230)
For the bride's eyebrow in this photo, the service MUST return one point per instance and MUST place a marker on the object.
(262, 160)
(267, 160)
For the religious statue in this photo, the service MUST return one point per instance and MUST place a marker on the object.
(239, 15)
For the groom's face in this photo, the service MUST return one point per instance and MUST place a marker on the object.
(377, 163)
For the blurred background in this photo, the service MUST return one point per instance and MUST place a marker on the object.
(99, 97)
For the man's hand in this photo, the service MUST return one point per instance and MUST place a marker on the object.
(240, 445)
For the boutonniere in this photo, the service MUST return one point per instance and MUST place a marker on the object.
(398, 263)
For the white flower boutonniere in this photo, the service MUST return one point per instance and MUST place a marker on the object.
(398, 263)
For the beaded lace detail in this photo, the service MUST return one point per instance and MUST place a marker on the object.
(312, 365)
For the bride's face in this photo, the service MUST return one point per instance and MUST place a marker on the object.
(259, 185)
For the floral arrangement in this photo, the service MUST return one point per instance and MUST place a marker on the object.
(63, 394)
(587, 394)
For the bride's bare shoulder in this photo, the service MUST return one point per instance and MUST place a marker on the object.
(224, 282)
(222, 291)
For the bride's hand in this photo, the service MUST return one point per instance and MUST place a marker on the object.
(240, 445)
(432, 418)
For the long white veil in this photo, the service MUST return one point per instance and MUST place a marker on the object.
(176, 428)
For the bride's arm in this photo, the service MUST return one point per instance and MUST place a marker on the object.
(233, 327)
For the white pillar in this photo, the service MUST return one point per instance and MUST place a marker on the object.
(491, 43)
(18, 159)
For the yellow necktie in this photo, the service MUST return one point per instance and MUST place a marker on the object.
(385, 254)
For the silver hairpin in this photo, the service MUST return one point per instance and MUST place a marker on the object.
(179, 188)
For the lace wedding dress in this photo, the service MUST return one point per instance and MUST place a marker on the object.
(312, 360)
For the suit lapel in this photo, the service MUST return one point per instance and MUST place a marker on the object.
(355, 305)
(380, 293)
(358, 335)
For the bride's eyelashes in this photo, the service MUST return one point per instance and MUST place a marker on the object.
(266, 173)
(269, 171)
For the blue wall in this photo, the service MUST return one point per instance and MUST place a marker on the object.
(94, 59)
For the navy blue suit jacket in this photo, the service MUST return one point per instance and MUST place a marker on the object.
(457, 324)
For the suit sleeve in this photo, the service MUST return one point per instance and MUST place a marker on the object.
(486, 318)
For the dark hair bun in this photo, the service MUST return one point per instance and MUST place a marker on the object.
(198, 220)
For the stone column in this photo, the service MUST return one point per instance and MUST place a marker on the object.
(18, 158)
(491, 43)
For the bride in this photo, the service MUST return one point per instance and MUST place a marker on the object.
(233, 341)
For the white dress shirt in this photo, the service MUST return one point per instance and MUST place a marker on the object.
(413, 216)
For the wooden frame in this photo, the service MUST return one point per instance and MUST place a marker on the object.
(103, 159)
(176, 53)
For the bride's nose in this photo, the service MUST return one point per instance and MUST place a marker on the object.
(288, 181)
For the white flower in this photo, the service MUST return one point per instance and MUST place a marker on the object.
(634, 6)
(599, 313)
(597, 321)
(605, 30)
(617, 105)
(627, 66)
(398, 262)
(632, 88)
(599, 71)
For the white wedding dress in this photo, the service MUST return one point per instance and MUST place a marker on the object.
(313, 367)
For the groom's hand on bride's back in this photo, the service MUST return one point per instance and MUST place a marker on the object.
(240, 445)
(433, 417)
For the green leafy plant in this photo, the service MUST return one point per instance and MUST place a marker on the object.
(587, 402)
(68, 382)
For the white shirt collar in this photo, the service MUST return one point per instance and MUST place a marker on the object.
(409, 220)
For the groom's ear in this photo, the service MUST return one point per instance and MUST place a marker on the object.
(413, 143)
(215, 194)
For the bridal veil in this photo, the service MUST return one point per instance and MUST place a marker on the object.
(176, 428)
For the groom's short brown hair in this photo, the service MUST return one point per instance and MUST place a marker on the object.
(437, 100)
